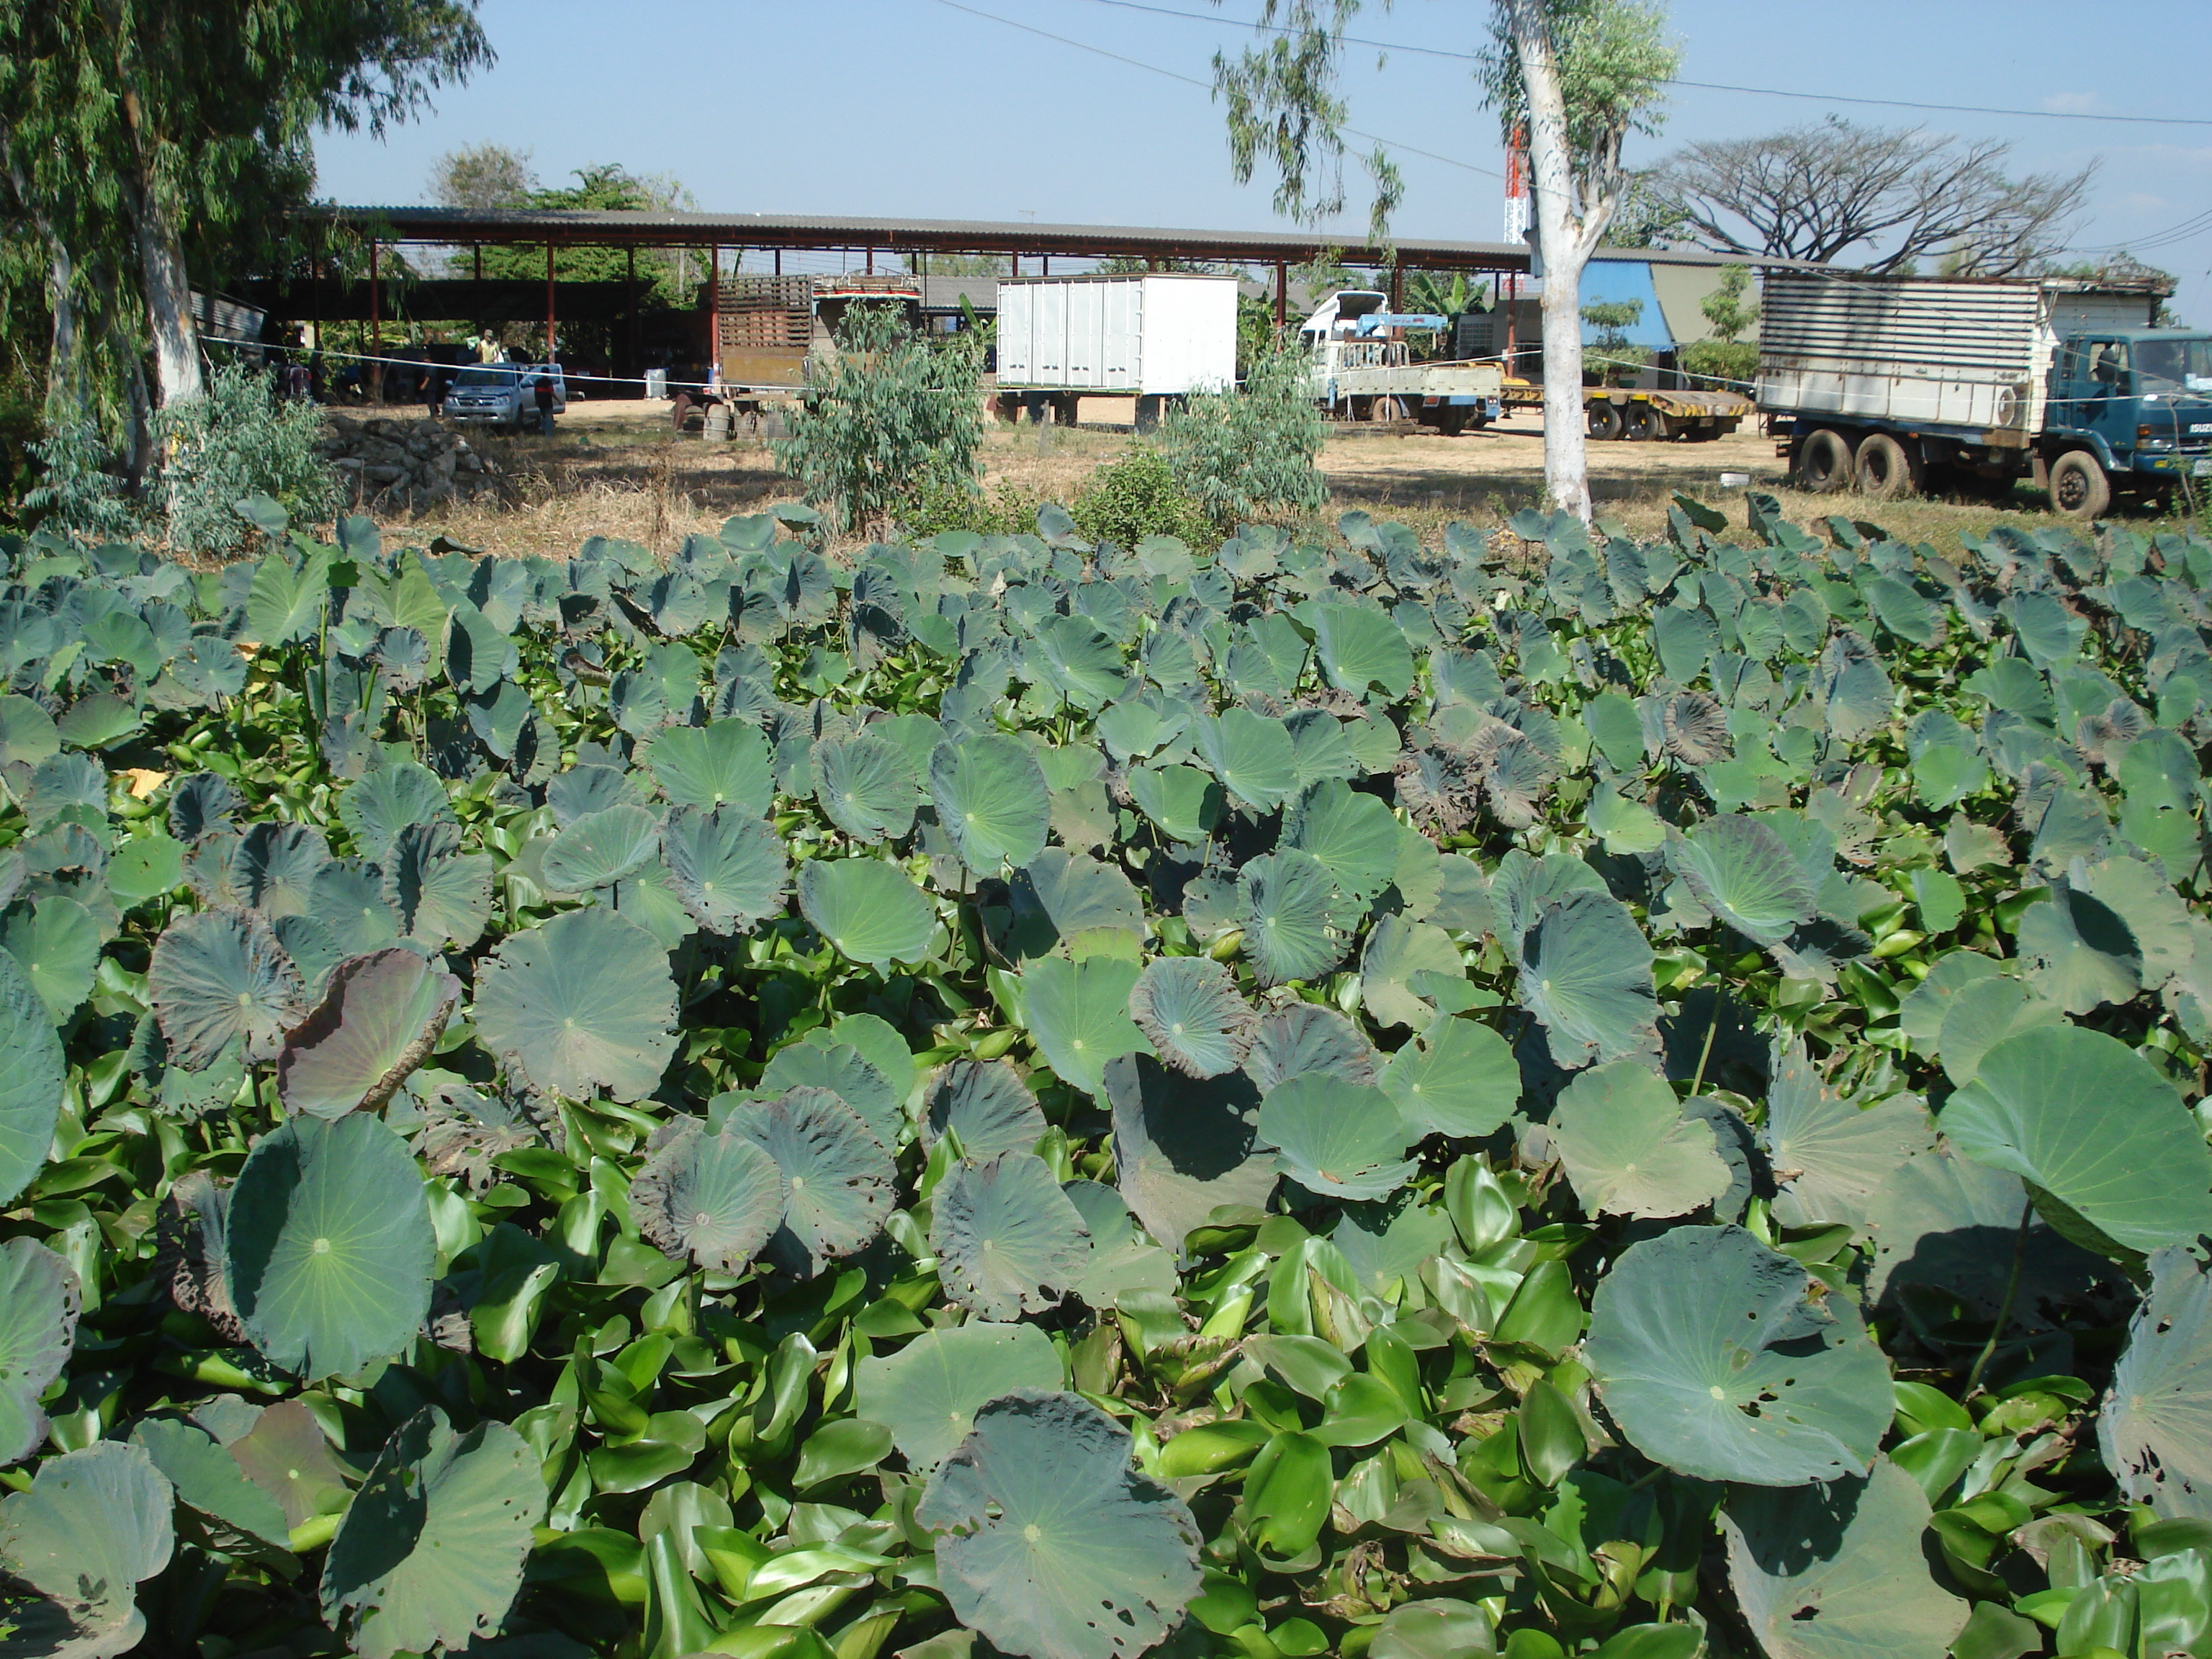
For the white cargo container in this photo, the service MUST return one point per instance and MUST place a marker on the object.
(1161, 334)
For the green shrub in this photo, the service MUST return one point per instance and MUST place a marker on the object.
(237, 440)
(942, 504)
(1138, 495)
(1240, 451)
(1727, 365)
(76, 493)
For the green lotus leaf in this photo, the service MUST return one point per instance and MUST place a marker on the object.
(57, 944)
(40, 1300)
(27, 732)
(1007, 1241)
(32, 1074)
(992, 799)
(287, 1455)
(578, 1003)
(728, 867)
(587, 788)
(95, 1523)
(1184, 1146)
(274, 864)
(2078, 952)
(347, 899)
(1744, 873)
(2079, 1117)
(1337, 1139)
(1351, 833)
(1121, 1257)
(1853, 691)
(379, 1019)
(716, 1199)
(1399, 954)
(431, 1552)
(1301, 1037)
(927, 1394)
(222, 1508)
(1184, 802)
(986, 1105)
(1629, 1148)
(1049, 1543)
(1830, 1154)
(839, 1181)
(1190, 1011)
(146, 868)
(199, 803)
(378, 807)
(329, 1246)
(1078, 1015)
(220, 976)
(1920, 1014)
(846, 1073)
(1980, 1015)
(721, 764)
(1586, 975)
(1839, 1570)
(1358, 648)
(1063, 900)
(866, 787)
(600, 848)
(1458, 1078)
(879, 1044)
(1694, 728)
(2155, 1429)
(479, 653)
(439, 894)
(1081, 661)
(1252, 755)
(1715, 1359)
(1292, 929)
(871, 911)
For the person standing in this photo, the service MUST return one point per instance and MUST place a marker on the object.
(543, 387)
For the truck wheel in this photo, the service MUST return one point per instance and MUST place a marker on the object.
(1452, 419)
(2079, 488)
(1604, 422)
(1644, 424)
(1885, 469)
(1823, 465)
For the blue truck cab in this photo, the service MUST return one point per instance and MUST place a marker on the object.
(2140, 401)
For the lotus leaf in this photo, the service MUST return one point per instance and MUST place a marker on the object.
(866, 787)
(1292, 926)
(986, 1105)
(846, 1073)
(347, 899)
(1251, 755)
(93, 1525)
(1358, 648)
(439, 894)
(1303, 1036)
(1078, 1014)
(32, 1077)
(871, 911)
(379, 1019)
(1182, 801)
(286, 1455)
(578, 1003)
(927, 1394)
(40, 1300)
(992, 799)
(838, 1179)
(2155, 1429)
(377, 808)
(714, 1199)
(1586, 975)
(1983, 1014)
(1741, 871)
(728, 869)
(1066, 901)
(1008, 1240)
(1353, 835)
(1337, 1139)
(273, 867)
(220, 1508)
(1121, 1257)
(56, 945)
(1190, 1011)
(601, 848)
(220, 976)
(1394, 967)
(1630, 1149)
(723, 763)
(1184, 1146)
(1458, 1078)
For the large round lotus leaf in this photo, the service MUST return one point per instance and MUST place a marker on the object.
(839, 1181)
(1122, 1257)
(146, 868)
(1744, 873)
(31, 1070)
(586, 789)
(2078, 951)
(1008, 1240)
(1830, 1154)
(57, 943)
(581, 1003)
(1078, 1014)
(1839, 1571)
(879, 1044)
(1064, 898)
(39, 1298)
(1182, 802)
(347, 898)
(274, 866)
(991, 798)
(378, 1020)
(1714, 1358)
(1251, 755)
(1458, 1078)
(866, 787)
(2156, 1430)
(722, 763)
(986, 1105)
(1586, 975)
(330, 1246)
(1050, 1543)
(95, 1523)
(1337, 1139)
(27, 732)
(1628, 1148)
(601, 848)
(728, 866)
(1920, 1014)
(199, 803)
(218, 975)
(869, 910)
(1304, 1036)
(287, 1456)
(1183, 1145)
(2078, 1116)
(439, 894)
(1358, 647)
(845, 1073)
(398, 793)
(432, 1549)
(1082, 661)
(1353, 835)
(1190, 1011)
(1292, 929)
(714, 1199)
(1393, 986)
(1983, 1013)
(927, 1394)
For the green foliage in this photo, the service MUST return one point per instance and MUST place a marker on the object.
(1726, 308)
(1726, 366)
(1136, 496)
(75, 492)
(235, 442)
(1243, 450)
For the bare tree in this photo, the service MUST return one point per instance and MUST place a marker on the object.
(1889, 198)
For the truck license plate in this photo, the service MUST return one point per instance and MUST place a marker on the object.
(2201, 469)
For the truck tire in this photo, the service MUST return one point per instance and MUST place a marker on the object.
(1604, 422)
(1885, 469)
(1822, 464)
(2079, 488)
(1452, 419)
(1643, 424)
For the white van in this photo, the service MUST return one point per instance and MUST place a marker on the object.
(503, 394)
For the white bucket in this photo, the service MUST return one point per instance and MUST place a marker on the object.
(656, 383)
(1735, 481)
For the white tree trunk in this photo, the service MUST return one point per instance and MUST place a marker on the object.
(168, 306)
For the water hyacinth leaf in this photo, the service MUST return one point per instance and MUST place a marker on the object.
(578, 1003)
(1713, 1357)
(1457, 1079)
(1190, 1011)
(1120, 1258)
(1078, 1015)
(1628, 1148)
(1830, 1156)
(1838, 1571)
(2155, 1429)
(927, 1394)
(991, 798)
(32, 1072)
(601, 848)
(1742, 871)
(1049, 1542)
(218, 977)
(871, 911)
(329, 1246)
(1337, 1139)
(866, 787)
(431, 1551)
(728, 867)
(40, 1301)
(95, 1523)
(1586, 975)
(1008, 1240)
(1291, 925)
(376, 808)
(2086, 1122)
(716, 1199)
(1184, 1147)
(846, 1073)
(378, 1021)
(722, 763)
(1304, 1036)
(839, 1180)
(986, 1105)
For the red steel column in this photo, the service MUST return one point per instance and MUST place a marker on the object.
(551, 356)
(375, 330)
(1282, 290)
(714, 312)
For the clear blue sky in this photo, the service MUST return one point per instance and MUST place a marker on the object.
(911, 107)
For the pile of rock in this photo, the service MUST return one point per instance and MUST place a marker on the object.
(402, 467)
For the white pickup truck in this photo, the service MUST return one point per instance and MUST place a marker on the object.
(503, 394)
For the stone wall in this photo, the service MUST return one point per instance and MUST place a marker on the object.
(402, 467)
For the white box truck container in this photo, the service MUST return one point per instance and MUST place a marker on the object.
(1161, 334)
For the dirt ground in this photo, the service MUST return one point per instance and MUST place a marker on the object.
(617, 468)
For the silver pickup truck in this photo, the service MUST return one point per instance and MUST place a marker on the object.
(503, 394)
